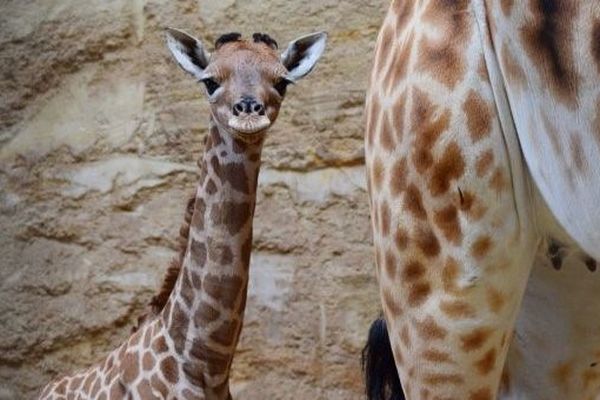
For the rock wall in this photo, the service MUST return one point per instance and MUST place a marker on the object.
(99, 133)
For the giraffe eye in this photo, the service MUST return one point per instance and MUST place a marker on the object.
(211, 85)
(281, 86)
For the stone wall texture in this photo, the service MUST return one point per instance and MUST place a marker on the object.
(99, 134)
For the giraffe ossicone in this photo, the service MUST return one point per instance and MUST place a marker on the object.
(184, 346)
(482, 151)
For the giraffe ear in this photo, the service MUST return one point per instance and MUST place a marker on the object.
(188, 51)
(302, 55)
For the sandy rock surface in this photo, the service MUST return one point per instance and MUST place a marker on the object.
(99, 134)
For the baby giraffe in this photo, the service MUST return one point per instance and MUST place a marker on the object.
(185, 350)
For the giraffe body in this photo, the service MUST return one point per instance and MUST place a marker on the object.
(482, 157)
(184, 348)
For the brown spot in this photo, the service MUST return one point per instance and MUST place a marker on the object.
(377, 174)
(390, 264)
(386, 138)
(158, 384)
(512, 69)
(498, 181)
(595, 43)
(479, 118)
(507, 6)
(226, 333)
(148, 361)
(482, 70)
(413, 202)
(147, 337)
(198, 253)
(484, 163)
(130, 367)
(436, 356)
(547, 39)
(403, 10)
(486, 364)
(187, 289)
(414, 270)
(384, 216)
(475, 339)
(428, 329)
(443, 379)
(117, 391)
(219, 252)
(205, 314)
(428, 243)
(427, 129)
(418, 293)
(481, 394)
(457, 309)
(450, 167)
(224, 289)
(231, 214)
(168, 366)
(401, 239)
(211, 187)
(398, 176)
(495, 300)
(392, 306)
(145, 391)
(405, 337)
(235, 174)
(589, 377)
(216, 362)
(373, 115)
(444, 58)
(135, 339)
(447, 221)
(561, 374)
(481, 247)
(178, 327)
(450, 276)
(160, 345)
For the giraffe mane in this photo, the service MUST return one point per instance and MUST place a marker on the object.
(159, 300)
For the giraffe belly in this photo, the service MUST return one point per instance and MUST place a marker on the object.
(555, 352)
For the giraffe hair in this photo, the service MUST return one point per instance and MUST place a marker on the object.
(266, 39)
(379, 368)
(227, 38)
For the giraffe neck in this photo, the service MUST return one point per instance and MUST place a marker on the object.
(205, 311)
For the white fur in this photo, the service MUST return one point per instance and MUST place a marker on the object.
(309, 58)
(178, 49)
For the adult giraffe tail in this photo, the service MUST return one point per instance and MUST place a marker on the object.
(379, 368)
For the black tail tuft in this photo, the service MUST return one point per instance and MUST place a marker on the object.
(381, 377)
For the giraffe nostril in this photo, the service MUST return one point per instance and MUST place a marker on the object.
(238, 108)
(259, 109)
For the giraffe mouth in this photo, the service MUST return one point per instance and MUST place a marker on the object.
(247, 125)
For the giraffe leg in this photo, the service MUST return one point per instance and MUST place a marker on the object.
(451, 209)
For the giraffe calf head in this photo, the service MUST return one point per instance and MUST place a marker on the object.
(246, 80)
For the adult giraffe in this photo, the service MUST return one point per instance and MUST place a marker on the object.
(483, 160)
(184, 349)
